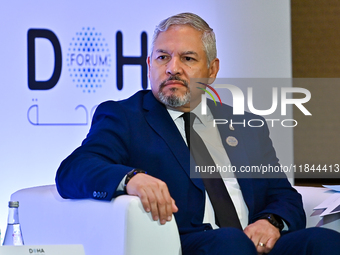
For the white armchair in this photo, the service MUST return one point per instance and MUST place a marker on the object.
(120, 226)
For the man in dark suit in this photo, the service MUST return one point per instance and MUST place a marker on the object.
(141, 143)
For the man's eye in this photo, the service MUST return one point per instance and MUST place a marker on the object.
(188, 58)
(161, 57)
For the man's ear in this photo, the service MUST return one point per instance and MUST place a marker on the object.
(213, 70)
(148, 62)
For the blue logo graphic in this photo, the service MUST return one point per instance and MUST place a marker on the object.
(88, 60)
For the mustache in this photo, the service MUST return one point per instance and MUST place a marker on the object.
(174, 78)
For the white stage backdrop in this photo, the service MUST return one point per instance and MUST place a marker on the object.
(59, 59)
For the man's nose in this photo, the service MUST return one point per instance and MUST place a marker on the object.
(174, 67)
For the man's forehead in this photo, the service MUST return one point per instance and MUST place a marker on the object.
(178, 35)
(177, 27)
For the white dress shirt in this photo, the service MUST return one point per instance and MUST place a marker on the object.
(210, 135)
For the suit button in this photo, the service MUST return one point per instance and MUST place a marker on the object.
(94, 194)
(104, 194)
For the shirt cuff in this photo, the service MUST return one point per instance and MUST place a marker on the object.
(121, 185)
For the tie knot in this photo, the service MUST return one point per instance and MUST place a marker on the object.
(189, 118)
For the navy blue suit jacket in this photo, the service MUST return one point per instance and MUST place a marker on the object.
(139, 133)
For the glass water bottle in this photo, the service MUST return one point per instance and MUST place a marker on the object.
(13, 234)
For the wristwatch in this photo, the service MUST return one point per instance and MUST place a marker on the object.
(275, 220)
(131, 174)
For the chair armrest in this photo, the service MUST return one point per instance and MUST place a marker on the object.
(120, 226)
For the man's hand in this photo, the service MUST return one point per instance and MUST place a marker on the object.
(154, 195)
(262, 232)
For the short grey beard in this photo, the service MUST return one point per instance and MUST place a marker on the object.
(174, 101)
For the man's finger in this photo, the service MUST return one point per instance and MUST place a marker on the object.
(144, 199)
(154, 195)
(173, 206)
(162, 206)
(270, 245)
(164, 203)
(261, 247)
(168, 206)
(152, 198)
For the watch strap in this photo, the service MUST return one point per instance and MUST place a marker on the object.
(131, 174)
(275, 220)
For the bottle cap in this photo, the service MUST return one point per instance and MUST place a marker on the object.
(13, 204)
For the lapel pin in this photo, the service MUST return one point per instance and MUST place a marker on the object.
(231, 127)
(232, 141)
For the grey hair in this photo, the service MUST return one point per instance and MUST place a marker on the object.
(208, 36)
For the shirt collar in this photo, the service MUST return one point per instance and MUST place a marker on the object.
(204, 119)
